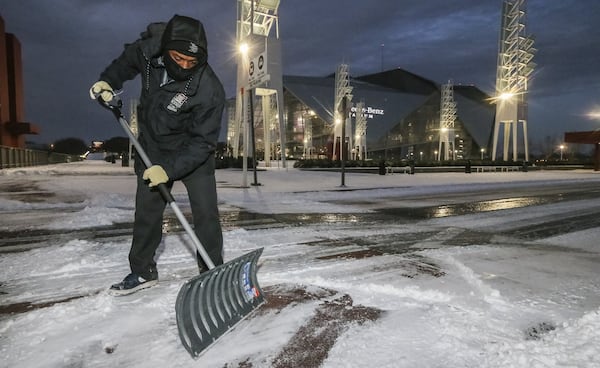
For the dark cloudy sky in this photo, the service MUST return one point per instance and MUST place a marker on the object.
(67, 43)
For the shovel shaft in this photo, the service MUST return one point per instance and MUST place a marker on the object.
(199, 247)
(162, 188)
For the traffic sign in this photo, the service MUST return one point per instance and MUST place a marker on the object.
(257, 71)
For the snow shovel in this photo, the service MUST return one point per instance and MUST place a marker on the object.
(212, 303)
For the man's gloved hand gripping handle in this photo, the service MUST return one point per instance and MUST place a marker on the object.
(102, 89)
(156, 174)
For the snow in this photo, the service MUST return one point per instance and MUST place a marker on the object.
(505, 302)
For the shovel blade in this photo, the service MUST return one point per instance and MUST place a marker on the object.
(212, 303)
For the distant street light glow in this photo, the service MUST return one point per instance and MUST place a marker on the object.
(594, 114)
(562, 147)
(504, 97)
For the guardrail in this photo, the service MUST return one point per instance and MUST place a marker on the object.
(11, 157)
(497, 168)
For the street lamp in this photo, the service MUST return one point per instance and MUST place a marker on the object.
(244, 48)
(482, 151)
(562, 147)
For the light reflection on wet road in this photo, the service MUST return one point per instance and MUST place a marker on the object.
(458, 209)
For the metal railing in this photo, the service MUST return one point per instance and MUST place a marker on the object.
(11, 157)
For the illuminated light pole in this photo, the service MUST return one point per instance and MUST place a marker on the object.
(447, 119)
(482, 152)
(307, 118)
(242, 112)
(342, 131)
(514, 68)
(258, 27)
(562, 147)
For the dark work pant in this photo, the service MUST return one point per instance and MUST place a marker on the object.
(149, 210)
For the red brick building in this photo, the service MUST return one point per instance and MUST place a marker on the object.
(13, 128)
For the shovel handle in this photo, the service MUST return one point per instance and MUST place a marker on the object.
(116, 110)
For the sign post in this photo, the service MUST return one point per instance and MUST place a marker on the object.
(257, 75)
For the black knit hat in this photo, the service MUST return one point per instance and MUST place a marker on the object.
(185, 35)
(188, 48)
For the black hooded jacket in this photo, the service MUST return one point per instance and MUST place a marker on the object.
(178, 121)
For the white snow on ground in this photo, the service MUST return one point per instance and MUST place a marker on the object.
(480, 313)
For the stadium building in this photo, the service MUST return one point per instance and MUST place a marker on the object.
(402, 113)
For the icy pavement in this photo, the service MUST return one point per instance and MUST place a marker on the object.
(426, 270)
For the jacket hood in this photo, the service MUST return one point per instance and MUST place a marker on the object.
(186, 35)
